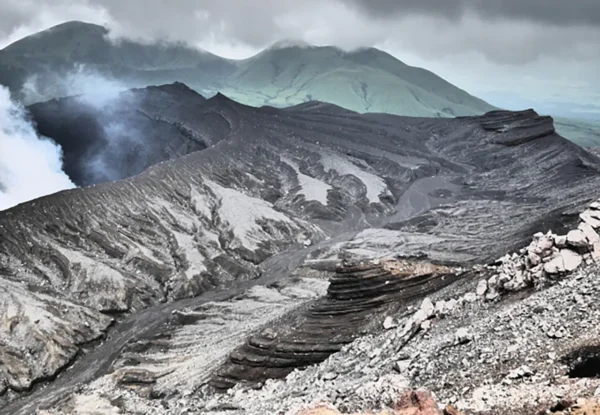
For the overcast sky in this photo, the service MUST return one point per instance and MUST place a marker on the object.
(540, 49)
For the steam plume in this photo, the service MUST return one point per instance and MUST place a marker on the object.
(30, 166)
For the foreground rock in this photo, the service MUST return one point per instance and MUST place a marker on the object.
(547, 258)
(410, 403)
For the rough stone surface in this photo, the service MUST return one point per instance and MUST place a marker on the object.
(577, 238)
(571, 260)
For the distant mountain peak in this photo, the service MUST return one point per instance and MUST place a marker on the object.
(222, 99)
(175, 88)
(291, 43)
(75, 25)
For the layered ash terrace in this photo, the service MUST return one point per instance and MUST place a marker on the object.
(358, 298)
(274, 181)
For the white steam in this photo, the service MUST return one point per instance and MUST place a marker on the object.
(107, 99)
(30, 166)
(80, 80)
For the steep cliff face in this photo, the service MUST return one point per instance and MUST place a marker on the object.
(269, 194)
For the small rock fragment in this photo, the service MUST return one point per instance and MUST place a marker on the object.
(482, 288)
(470, 297)
(521, 372)
(401, 366)
(389, 323)
(463, 336)
(330, 376)
(560, 241)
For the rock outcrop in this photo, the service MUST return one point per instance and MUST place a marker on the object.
(548, 256)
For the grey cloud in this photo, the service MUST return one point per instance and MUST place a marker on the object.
(504, 31)
(254, 23)
(556, 12)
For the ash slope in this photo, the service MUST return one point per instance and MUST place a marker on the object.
(310, 181)
(115, 136)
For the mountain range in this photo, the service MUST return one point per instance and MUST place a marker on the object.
(49, 64)
(76, 57)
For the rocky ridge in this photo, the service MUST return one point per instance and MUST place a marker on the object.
(478, 354)
(250, 225)
(547, 257)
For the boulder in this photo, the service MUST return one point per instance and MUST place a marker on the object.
(592, 221)
(536, 273)
(427, 308)
(425, 312)
(596, 251)
(555, 266)
(545, 243)
(571, 260)
(470, 297)
(589, 232)
(482, 288)
(561, 241)
(576, 238)
(534, 259)
(443, 308)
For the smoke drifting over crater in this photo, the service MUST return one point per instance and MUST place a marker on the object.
(30, 165)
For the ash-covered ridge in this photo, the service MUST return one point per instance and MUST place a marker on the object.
(117, 135)
(278, 193)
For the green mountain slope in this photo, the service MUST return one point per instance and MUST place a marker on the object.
(367, 80)
(48, 61)
(364, 80)
(69, 58)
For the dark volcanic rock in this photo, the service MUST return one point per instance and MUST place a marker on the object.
(357, 299)
(107, 138)
(268, 189)
(517, 127)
